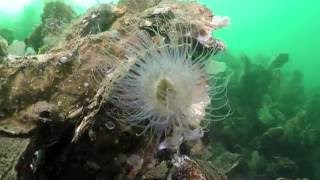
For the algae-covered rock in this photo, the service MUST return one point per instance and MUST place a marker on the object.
(11, 150)
(227, 161)
(55, 18)
(280, 61)
(60, 99)
(283, 167)
(96, 20)
(30, 51)
(3, 49)
(57, 10)
(257, 163)
(138, 5)
(17, 48)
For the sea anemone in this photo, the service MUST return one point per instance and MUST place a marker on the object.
(166, 87)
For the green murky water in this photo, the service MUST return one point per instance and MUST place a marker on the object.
(276, 107)
(270, 26)
(265, 27)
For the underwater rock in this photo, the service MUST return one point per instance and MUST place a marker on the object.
(157, 172)
(204, 26)
(257, 163)
(96, 20)
(196, 170)
(211, 171)
(30, 51)
(200, 150)
(283, 167)
(300, 132)
(59, 100)
(57, 10)
(312, 113)
(274, 133)
(35, 40)
(279, 61)
(188, 169)
(265, 116)
(135, 161)
(291, 179)
(292, 94)
(227, 161)
(127, 24)
(270, 116)
(55, 18)
(28, 119)
(11, 150)
(134, 6)
(3, 49)
(17, 48)
(255, 82)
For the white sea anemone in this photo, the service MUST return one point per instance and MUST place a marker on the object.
(165, 85)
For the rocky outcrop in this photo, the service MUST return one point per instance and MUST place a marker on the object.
(53, 112)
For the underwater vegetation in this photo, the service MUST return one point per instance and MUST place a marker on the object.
(55, 17)
(7, 35)
(274, 119)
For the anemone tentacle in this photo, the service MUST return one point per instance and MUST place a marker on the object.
(165, 86)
